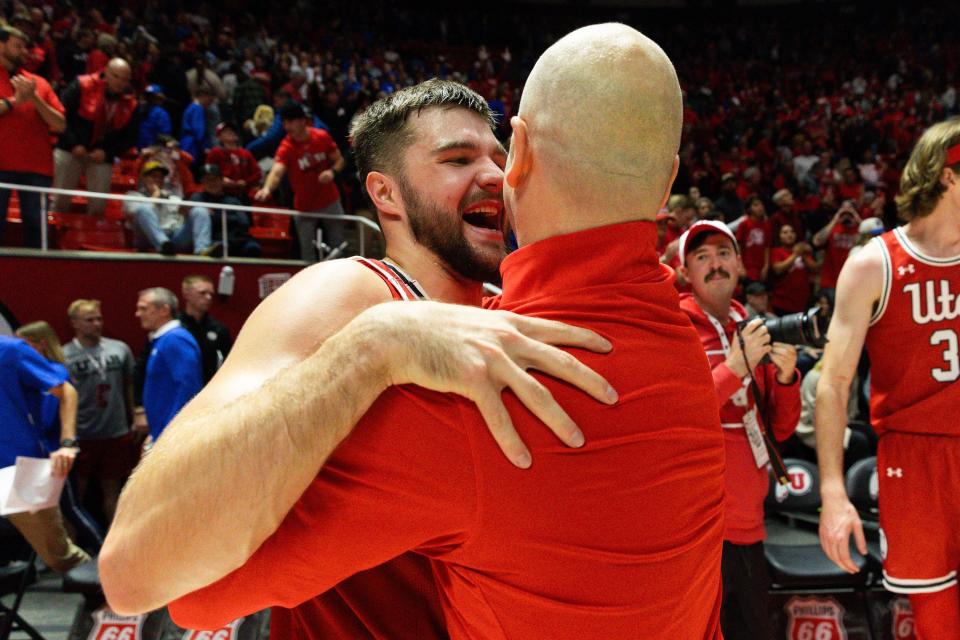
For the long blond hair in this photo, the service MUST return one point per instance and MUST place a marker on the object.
(43, 333)
(920, 186)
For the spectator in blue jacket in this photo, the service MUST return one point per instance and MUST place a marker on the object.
(195, 139)
(174, 368)
(156, 120)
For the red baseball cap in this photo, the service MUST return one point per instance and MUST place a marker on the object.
(699, 228)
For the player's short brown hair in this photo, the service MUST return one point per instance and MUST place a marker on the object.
(81, 303)
(920, 186)
(380, 133)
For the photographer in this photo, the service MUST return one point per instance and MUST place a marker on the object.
(710, 260)
(837, 238)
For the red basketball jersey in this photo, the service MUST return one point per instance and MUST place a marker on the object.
(913, 341)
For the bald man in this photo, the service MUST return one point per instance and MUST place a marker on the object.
(619, 538)
(101, 124)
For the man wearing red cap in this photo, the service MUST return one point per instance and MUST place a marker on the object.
(900, 297)
(710, 261)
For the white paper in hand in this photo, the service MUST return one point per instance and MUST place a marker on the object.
(29, 486)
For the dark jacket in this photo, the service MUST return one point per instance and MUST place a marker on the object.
(214, 340)
(81, 130)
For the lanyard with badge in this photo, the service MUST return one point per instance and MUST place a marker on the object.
(99, 364)
(763, 449)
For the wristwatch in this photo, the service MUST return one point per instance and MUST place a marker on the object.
(69, 443)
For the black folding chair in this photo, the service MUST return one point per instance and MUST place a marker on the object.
(16, 574)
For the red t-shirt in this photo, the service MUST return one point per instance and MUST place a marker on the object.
(236, 164)
(305, 160)
(25, 139)
(621, 538)
(754, 238)
(791, 290)
(839, 243)
(912, 341)
(746, 484)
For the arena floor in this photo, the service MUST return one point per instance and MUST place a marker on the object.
(47, 608)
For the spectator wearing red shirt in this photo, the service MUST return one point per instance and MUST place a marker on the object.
(851, 187)
(793, 265)
(710, 262)
(311, 160)
(755, 238)
(786, 213)
(241, 173)
(837, 238)
(29, 113)
(100, 55)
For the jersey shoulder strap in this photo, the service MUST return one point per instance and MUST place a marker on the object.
(401, 287)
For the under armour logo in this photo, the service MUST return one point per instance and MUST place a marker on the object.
(894, 473)
(905, 270)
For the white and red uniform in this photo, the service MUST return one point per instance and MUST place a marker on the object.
(914, 397)
(746, 482)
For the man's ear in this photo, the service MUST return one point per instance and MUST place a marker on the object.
(384, 193)
(682, 270)
(673, 176)
(521, 158)
(948, 178)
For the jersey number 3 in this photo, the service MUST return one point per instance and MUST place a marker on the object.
(951, 355)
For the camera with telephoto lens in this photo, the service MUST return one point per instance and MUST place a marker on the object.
(804, 329)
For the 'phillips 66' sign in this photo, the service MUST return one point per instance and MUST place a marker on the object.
(814, 619)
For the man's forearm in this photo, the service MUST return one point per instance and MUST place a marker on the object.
(830, 416)
(193, 491)
(68, 413)
(50, 116)
(273, 179)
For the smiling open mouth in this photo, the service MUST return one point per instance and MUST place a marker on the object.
(483, 220)
(484, 215)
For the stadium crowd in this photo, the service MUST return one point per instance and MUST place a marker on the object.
(764, 112)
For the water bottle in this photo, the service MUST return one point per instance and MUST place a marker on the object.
(225, 285)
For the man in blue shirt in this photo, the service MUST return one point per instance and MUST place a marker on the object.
(174, 366)
(26, 377)
(155, 119)
(195, 137)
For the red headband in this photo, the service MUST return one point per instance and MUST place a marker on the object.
(953, 156)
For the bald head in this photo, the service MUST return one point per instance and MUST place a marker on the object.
(602, 111)
(117, 75)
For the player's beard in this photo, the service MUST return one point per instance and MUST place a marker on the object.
(441, 232)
